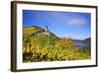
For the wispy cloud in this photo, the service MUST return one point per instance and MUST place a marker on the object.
(76, 21)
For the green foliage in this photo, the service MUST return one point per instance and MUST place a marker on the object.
(42, 47)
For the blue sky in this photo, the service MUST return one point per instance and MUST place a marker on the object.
(64, 24)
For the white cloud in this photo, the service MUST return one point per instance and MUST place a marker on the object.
(76, 21)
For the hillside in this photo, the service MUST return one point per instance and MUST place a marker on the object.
(27, 31)
(35, 33)
(40, 44)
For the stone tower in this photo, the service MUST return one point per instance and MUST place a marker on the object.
(46, 29)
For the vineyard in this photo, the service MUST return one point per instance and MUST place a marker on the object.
(42, 47)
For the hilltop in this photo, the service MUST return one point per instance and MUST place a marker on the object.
(39, 34)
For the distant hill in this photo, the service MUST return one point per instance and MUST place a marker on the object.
(86, 43)
(87, 40)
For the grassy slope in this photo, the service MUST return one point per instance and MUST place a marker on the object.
(27, 31)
